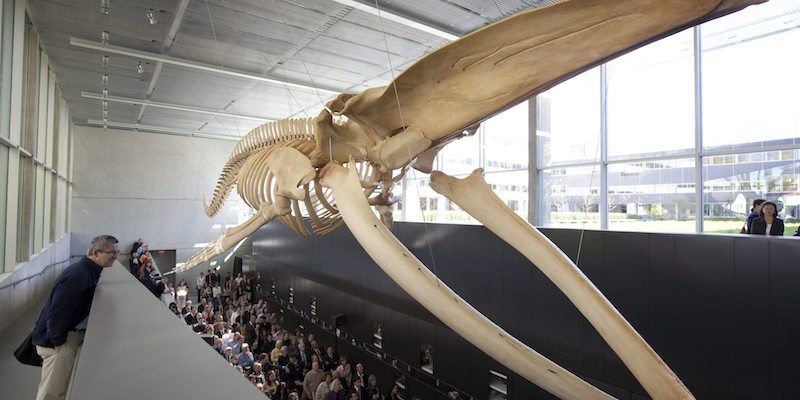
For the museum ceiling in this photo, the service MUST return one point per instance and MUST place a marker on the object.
(222, 67)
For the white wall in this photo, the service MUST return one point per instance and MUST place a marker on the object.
(133, 184)
(32, 281)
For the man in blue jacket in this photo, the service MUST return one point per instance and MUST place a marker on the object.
(58, 333)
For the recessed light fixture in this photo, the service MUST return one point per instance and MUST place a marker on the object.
(104, 38)
(105, 79)
(105, 61)
(151, 16)
(139, 67)
(104, 9)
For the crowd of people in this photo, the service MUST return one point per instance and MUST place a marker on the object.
(763, 220)
(280, 363)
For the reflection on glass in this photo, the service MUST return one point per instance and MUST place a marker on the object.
(651, 99)
(568, 121)
(732, 182)
(652, 196)
(750, 79)
(571, 197)
(460, 157)
(506, 140)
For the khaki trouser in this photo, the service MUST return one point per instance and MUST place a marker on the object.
(57, 367)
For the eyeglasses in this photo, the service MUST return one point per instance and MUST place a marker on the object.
(114, 252)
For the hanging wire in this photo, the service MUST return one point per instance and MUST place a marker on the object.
(408, 149)
(598, 156)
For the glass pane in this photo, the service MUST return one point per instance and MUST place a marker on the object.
(6, 34)
(570, 197)
(652, 196)
(30, 117)
(732, 182)
(460, 157)
(512, 187)
(3, 192)
(750, 79)
(506, 139)
(568, 121)
(25, 209)
(651, 99)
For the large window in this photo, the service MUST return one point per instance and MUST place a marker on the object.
(652, 196)
(568, 121)
(627, 140)
(499, 146)
(571, 197)
(34, 145)
(651, 99)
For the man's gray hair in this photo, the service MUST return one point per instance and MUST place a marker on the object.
(100, 243)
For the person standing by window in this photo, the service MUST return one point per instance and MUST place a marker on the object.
(768, 223)
(755, 212)
(59, 331)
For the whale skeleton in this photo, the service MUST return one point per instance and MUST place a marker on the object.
(340, 165)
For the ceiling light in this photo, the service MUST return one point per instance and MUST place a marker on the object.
(105, 105)
(105, 79)
(104, 9)
(397, 18)
(105, 93)
(105, 61)
(151, 16)
(139, 67)
(104, 38)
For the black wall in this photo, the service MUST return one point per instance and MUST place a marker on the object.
(723, 311)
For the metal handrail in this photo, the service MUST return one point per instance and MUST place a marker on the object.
(8, 285)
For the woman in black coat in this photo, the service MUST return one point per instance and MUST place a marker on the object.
(768, 223)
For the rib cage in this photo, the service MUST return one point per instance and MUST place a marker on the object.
(259, 138)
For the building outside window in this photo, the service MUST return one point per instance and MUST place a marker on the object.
(680, 134)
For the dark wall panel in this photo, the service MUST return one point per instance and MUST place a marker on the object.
(719, 309)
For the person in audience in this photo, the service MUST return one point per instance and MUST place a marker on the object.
(358, 389)
(302, 354)
(200, 281)
(216, 294)
(180, 294)
(329, 359)
(276, 352)
(238, 343)
(168, 294)
(755, 212)
(219, 346)
(174, 308)
(394, 393)
(312, 380)
(768, 222)
(315, 349)
(257, 374)
(228, 355)
(372, 387)
(359, 372)
(272, 383)
(246, 358)
(343, 370)
(324, 387)
(336, 393)
(294, 373)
